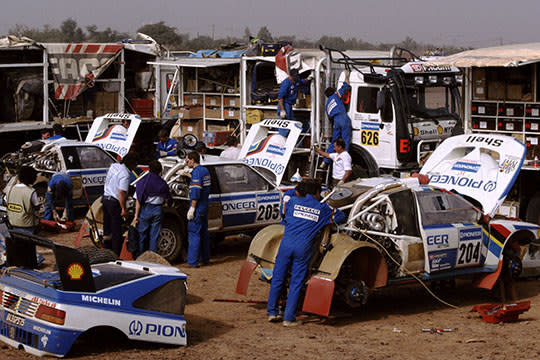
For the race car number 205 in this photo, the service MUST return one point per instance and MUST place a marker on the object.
(14, 319)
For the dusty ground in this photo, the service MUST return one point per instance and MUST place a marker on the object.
(389, 328)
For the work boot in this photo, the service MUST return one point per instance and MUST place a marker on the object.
(290, 323)
(322, 165)
(275, 318)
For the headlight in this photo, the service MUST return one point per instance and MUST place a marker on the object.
(433, 79)
(419, 80)
(459, 79)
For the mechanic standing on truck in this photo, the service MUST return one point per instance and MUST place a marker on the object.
(23, 203)
(288, 93)
(304, 216)
(59, 188)
(199, 191)
(342, 166)
(337, 114)
(151, 193)
(165, 146)
(114, 201)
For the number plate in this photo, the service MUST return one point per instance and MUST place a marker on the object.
(370, 137)
(14, 319)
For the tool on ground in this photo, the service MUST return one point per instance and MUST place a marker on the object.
(96, 237)
(240, 301)
(495, 313)
(437, 331)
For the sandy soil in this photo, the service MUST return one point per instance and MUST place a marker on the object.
(390, 327)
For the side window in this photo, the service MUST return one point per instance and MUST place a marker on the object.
(238, 178)
(367, 100)
(71, 157)
(444, 208)
(92, 157)
(405, 210)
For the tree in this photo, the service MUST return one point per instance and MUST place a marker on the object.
(264, 34)
(247, 34)
(71, 32)
(163, 34)
(107, 35)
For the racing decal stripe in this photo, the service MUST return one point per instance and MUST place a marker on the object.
(527, 227)
(86, 172)
(258, 147)
(438, 226)
(236, 197)
(103, 134)
(501, 230)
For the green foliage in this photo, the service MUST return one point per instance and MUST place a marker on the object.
(264, 34)
(163, 34)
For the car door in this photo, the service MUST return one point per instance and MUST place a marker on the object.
(246, 198)
(452, 237)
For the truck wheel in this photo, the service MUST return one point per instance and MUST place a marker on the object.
(533, 209)
(98, 256)
(171, 241)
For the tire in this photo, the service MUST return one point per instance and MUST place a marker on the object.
(98, 256)
(171, 240)
(533, 209)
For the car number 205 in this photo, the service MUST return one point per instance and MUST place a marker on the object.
(267, 212)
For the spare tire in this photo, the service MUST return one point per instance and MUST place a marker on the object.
(97, 255)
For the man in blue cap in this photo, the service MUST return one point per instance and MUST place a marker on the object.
(304, 216)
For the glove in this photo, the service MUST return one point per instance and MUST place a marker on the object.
(162, 153)
(191, 213)
(55, 216)
(310, 77)
(341, 182)
(283, 114)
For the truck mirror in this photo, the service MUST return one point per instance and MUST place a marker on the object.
(380, 100)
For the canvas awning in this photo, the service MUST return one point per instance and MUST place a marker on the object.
(498, 56)
(196, 62)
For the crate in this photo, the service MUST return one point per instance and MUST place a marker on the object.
(213, 112)
(188, 112)
(231, 113)
(216, 138)
(143, 107)
(193, 100)
(231, 101)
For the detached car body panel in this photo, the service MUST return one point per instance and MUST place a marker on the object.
(45, 312)
(398, 228)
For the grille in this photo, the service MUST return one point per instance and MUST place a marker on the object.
(19, 335)
(18, 304)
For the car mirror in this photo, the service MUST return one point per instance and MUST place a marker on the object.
(380, 100)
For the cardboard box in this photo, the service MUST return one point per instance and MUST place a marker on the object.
(193, 100)
(231, 101)
(253, 116)
(194, 127)
(496, 90)
(188, 112)
(213, 100)
(104, 103)
(231, 113)
(191, 85)
(213, 113)
(514, 91)
(214, 127)
(270, 114)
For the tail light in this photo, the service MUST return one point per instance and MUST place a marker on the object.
(50, 314)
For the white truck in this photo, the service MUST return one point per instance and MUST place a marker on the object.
(501, 96)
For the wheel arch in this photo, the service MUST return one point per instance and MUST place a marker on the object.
(361, 156)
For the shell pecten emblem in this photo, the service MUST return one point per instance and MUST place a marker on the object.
(75, 271)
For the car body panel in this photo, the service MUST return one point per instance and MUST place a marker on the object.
(114, 138)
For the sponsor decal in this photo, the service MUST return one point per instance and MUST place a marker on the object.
(266, 163)
(442, 260)
(306, 213)
(470, 234)
(509, 164)
(44, 340)
(331, 105)
(437, 68)
(276, 123)
(462, 181)
(370, 126)
(441, 240)
(276, 149)
(237, 206)
(101, 300)
(440, 130)
(137, 328)
(91, 180)
(43, 301)
(267, 197)
(121, 150)
(75, 271)
(481, 139)
(466, 166)
(417, 68)
(41, 330)
(15, 207)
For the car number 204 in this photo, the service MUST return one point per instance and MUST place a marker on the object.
(14, 319)
(267, 212)
(469, 252)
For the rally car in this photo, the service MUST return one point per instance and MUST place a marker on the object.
(245, 195)
(85, 162)
(398, 229)
(45, 312)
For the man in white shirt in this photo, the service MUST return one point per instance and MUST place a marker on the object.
(114, 200)
(342, 162)
(232, 151)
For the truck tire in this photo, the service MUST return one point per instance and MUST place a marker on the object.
(363, 164)
(98, 256)
(171, 241)
(533, 209)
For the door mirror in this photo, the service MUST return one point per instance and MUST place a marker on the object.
(380, 99)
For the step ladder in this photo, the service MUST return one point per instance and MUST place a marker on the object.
(317, 171)
(82, 130)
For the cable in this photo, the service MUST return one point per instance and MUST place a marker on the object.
(406, 270)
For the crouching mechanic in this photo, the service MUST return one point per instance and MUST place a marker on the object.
(59, 189)
(199, 190)
(304, 216)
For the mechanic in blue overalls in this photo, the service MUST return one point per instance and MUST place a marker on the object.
(199, 191)
(165, 146)
(304, 216)
(336, 112)
(59, 188)
(288, 93)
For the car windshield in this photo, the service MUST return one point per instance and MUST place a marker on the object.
(239, 178)
(433, 102)
(86, 157)
(439, 208)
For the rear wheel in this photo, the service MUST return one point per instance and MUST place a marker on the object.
(171, 240)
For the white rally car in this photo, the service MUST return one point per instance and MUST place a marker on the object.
(45, 312)
(398, 229)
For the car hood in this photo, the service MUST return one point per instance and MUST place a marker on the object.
(270, 151)
(482, 167)
(114, 138)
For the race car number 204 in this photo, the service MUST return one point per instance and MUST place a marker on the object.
(370, 137)
(14, 319)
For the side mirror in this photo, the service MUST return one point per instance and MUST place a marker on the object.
(380, 99)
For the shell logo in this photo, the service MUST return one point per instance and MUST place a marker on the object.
(75, 271)
(440, 129)
(415, 131)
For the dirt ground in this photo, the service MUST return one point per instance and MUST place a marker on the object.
(390, 327)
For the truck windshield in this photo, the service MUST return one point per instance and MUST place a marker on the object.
(434, 102)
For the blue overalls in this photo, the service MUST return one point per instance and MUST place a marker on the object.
(169, 147)
(50, 196)
(304, 217)
(198, 238)
(335, 108)
(288, 91)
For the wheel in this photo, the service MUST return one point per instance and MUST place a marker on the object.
(98, 256)
(171, 240)
(533, 209)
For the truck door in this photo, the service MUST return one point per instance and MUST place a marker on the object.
(373, 128)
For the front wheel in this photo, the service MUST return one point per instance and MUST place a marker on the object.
(171, 240)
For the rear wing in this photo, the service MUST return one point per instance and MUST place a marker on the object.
(73, 266)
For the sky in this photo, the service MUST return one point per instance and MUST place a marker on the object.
(469, 23)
